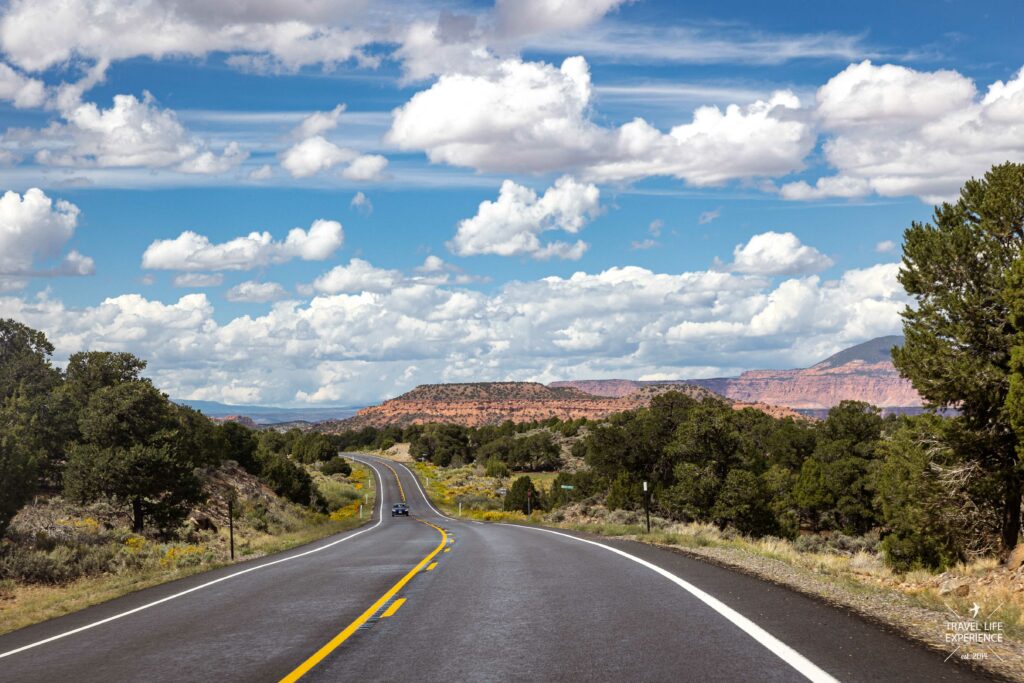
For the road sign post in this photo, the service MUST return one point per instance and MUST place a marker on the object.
(529, 502)
(231, 526)
(647, 506)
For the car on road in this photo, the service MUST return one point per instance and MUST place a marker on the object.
(400, 510)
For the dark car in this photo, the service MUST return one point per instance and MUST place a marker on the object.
(399, 509)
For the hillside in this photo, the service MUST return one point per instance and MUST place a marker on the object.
(484, 403)
(861, 373)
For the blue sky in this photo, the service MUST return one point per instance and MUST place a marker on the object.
(536, 190)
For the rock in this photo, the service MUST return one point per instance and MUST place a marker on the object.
(1016, 558)
(202, 523)
(958, 587)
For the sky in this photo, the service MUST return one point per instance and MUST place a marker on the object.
(329, 202)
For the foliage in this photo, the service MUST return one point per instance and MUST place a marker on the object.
(337, 465)
(523, 496)
(964, 274)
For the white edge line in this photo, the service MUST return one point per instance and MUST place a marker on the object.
(784, 652)
(380, 518)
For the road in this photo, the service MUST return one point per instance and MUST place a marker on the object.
(431, 598)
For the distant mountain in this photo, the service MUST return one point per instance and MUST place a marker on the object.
(861, 373)
(877, 350)
(484, 403)
(268, 415)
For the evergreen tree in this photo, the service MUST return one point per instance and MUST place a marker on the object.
(960, 333)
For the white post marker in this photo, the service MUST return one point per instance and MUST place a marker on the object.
(360, 511)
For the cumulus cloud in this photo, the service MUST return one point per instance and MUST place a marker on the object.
(33, 230)
(357, 276)
(367, 167)
(885, 246)
(511, 225)
(23, 91)
(531, 116)
(370, 342)
(198, 280)
(774, 253)
(264, 172)
(191, 251)
(897, 131)
(318, 122)
(131, 133)
(268, 36)
(313, 155)
(256, 292)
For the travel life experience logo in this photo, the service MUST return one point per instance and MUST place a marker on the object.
(973, 639)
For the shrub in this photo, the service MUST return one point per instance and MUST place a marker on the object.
(337, 465)
(743, 504)
(496, 468)
(522, 496)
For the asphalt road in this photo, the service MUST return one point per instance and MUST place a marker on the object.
(430, 598)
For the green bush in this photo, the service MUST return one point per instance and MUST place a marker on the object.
(496, 468)
(523, 496)
(744, 505)
(337, 465)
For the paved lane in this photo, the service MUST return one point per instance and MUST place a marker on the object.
(433, 598)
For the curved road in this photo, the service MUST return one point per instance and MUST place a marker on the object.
(432, 598)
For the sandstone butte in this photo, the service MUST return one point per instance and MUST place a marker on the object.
(861, 373)
(483, 403)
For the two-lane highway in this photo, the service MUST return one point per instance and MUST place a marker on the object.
(433, 598)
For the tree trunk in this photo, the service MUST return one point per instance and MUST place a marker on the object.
(1011, 510)
(137, 515)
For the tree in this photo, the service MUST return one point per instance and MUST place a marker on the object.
(25, 361)
(156, 484)
(523, 496)
(239, 443)
(18, 474)
(744, 504)
(959, 336)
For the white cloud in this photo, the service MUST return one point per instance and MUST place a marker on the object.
(194, 252)
(313, 155)
(270, 36)
(198, 280)
(517, 116)
(256, 292)
(640, 245)
(23, 91)
(357, 276)
(511, 225)
(318, 122)
(529, 116)
(366, 168)
(885, 246)
(33, 231)
(264, 172)
(360, 202)
(897, 131)
(526, 17)
(365, 345)
(774, 253)
(132, 133)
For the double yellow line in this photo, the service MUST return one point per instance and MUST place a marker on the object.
(401, 491)
(337, 640)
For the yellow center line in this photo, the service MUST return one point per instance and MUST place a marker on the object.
(337, 640)
(390, 611)
(401, 491)
(430, 567)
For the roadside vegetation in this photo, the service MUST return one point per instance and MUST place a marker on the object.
(108, 487)
(926, 507)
